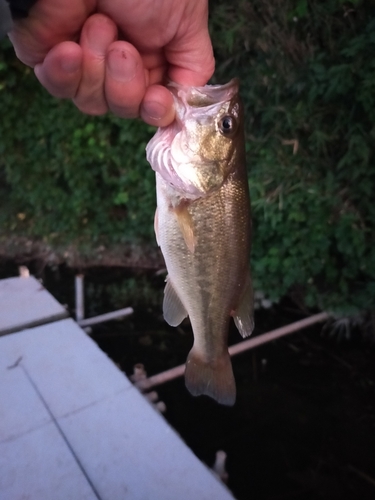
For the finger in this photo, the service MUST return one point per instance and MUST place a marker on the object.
(125, 81)
(191, 62)
(47, 25)
(190, 53)
(97, 34)
(60, 73)
(157, 106)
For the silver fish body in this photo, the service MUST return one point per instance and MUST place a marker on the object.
(203, 228)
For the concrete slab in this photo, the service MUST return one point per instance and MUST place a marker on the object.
(73, 426)
(39, 465)
(146, 458)
(70, 370)
(24, 303)
(20, 407)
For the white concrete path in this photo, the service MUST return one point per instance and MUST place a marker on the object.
(72, 426)
(24, 302)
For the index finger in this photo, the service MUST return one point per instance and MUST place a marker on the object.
(47, 25)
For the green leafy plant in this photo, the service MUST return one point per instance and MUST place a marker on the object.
(66, 175)
(307, 73)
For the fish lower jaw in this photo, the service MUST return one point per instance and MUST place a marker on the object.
(180, 174)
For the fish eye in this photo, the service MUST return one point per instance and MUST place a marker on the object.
(227, 125)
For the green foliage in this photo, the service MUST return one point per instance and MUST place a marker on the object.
(67, 176)
(307, 69)
(308, 84)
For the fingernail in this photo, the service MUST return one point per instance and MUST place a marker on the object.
(154, 110)
(122, 65)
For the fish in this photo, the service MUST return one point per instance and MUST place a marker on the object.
(203, 228)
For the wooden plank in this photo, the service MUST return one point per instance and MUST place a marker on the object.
(25, 303)
(123, 446)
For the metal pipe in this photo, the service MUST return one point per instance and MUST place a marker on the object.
(178, 371)
(121, 313)
(80, 301)
(279, 332)
(161, 378)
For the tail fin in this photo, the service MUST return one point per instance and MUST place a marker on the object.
(215, 379)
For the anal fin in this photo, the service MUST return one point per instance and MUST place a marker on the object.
(244, 314)
(173, 309)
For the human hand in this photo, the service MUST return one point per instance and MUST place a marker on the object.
(119, 57)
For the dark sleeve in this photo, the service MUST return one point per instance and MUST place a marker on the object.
(20, 8)
(12, 9)
(5, 18)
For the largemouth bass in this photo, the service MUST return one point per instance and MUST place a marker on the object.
(203, 227)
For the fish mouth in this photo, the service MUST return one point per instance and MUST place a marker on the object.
(186, 97)
(171, 155)
(200, 97)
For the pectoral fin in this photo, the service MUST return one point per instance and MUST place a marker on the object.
(173, 310)
(185, 223)
(244, 314)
